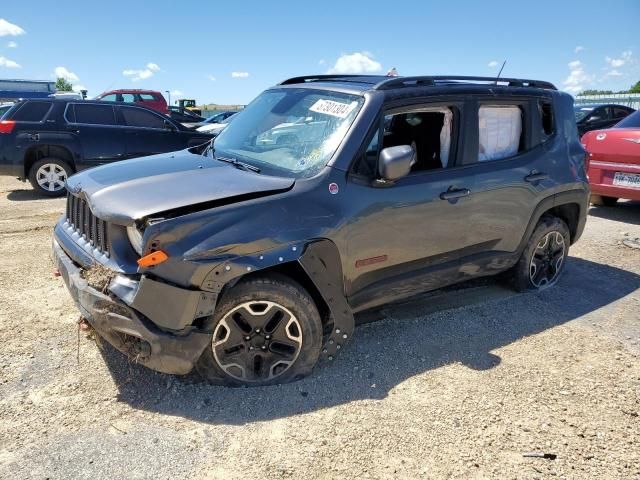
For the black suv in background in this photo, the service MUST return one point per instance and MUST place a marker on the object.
(599, 117)
(46, 141)
(248, 258)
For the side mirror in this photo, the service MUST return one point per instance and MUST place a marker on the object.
(396, 162)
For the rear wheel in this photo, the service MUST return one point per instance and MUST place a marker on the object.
(265, 331)
(49, 175)
(544, 256)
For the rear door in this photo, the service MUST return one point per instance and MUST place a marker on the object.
(101, 138)
(149, 132)
(511, 171)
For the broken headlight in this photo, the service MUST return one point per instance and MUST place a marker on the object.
(135, 237)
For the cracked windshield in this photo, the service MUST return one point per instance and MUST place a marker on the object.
(290, 131)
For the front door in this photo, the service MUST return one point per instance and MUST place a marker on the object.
(149, 132)
(407, 237)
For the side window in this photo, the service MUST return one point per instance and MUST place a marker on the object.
(429, 132)
(147, 97)
(546, 116)
(94, 114)
(500, 132)
(109, 98)
(137, 117)
(620, 112)
(128, 98)
(32, 112)
(367, 165)
(599, 114)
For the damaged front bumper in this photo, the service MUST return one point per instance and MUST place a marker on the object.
(130, 331)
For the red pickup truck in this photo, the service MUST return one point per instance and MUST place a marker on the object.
(148, 98)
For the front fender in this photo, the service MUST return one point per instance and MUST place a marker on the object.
(320, 259)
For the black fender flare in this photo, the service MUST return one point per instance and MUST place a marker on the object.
(320, 260)
(579, 197)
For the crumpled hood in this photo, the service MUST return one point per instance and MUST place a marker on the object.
(125, 191)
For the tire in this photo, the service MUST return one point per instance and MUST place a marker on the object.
(549, 243)
(48, 176)
(265, 331)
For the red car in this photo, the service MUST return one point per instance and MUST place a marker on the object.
(614, 160)
(148, 98)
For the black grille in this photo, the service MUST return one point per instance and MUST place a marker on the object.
(86, 224)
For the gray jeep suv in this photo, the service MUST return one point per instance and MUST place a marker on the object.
(328, 195)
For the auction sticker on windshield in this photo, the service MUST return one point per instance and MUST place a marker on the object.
(335, 109)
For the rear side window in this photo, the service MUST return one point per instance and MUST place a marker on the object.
(32, 112)
(500, 132)
(137, 117)
(93, 114)
(147, 97)
(128, 98)
(620, 112)
(546, 117)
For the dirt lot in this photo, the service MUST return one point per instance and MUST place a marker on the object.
(456, 384)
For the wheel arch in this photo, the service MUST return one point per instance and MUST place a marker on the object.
(570, 206)
(570, 214)
(315, 265)
(37, 152)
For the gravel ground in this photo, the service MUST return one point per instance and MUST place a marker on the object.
(455, 384)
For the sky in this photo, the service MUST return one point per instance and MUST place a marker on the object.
(228, 52)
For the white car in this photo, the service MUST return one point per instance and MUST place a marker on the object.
(67, 96)
(302, 129)
(215, 128)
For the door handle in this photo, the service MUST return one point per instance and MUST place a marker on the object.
(536, 177)
(455, 193)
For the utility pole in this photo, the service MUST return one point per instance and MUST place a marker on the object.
(168, 96)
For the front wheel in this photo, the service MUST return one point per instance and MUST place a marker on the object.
(544, 256)
(49, 175)
(266, 330)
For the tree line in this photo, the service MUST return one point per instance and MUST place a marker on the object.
(634, 89)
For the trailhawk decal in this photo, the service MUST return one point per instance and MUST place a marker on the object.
(335, 109)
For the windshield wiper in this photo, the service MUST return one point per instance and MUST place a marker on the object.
(233, 161)
(238, 164)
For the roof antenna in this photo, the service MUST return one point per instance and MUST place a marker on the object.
(500, 72)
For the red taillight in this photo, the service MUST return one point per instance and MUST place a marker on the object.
(6, 126)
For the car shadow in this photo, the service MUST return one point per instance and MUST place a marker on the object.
(25, 195)
(397, 343)
(625, 212)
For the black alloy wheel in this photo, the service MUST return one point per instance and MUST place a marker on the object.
(257, 341)
(547, 259)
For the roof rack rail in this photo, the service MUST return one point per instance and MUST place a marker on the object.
(329, 77)
(395, 82)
